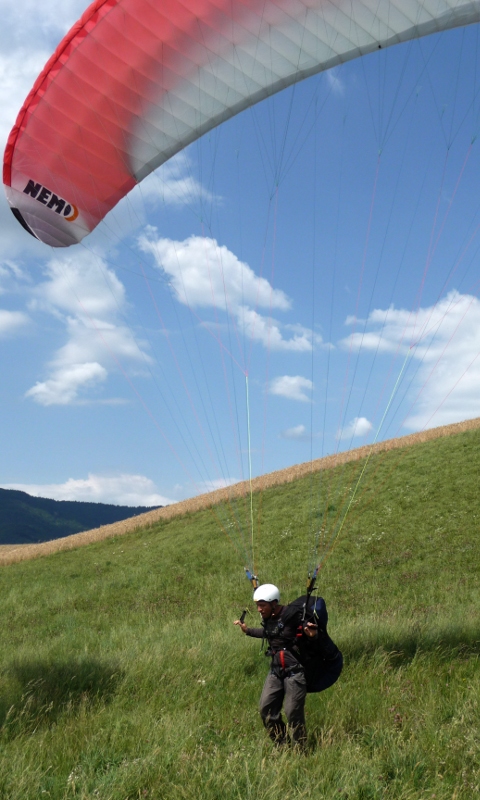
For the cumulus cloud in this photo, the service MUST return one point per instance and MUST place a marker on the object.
(443, 342)
(204, 274)
(79, 284)
(11, 276)
(12, 322)
(120, 490)
(38, 25)
(359, 426)
(268, 332)
(293, 387)
(174, 183)
(297, 433)
(87, 297)
(66, 384)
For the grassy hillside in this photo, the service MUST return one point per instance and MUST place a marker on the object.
(25, 519)
(122, 675)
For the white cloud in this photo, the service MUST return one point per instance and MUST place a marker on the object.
(359, 426)
(80, 284)
(67, 383)
(293, 387)
(12, 322)
(204, 274)
(443, 341)
(89, 338)
(173, 184)
(268, 332)
(11, 275)
(121, 490)
(36, 25)
(298, 433)
(87, 297)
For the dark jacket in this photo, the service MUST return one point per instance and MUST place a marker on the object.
(291, 650)
(280, 631)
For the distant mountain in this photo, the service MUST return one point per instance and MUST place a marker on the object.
(25, 519)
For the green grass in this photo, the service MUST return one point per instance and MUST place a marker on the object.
(122, 676)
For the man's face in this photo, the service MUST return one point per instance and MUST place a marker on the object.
(264, 609)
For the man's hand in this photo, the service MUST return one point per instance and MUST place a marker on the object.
(241, 625)
(310, 630)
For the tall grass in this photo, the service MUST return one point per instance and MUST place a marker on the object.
(122, 675)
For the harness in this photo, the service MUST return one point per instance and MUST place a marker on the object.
(282, 670)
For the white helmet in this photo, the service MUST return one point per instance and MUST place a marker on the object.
(267, 592)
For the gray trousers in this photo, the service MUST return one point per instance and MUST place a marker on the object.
(290, 692)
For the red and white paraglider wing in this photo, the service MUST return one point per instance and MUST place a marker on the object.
(135, 81)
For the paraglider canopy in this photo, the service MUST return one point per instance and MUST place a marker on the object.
(134, 82)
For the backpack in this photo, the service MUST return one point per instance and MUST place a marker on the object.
(320, 657)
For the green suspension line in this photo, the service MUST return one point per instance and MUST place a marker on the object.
(250, 470)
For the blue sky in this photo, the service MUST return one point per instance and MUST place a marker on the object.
(324, 242)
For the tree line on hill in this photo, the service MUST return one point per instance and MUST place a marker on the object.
(26, 520)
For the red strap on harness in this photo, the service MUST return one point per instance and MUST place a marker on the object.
(282, 658)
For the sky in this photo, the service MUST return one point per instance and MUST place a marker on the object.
(302, 280)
